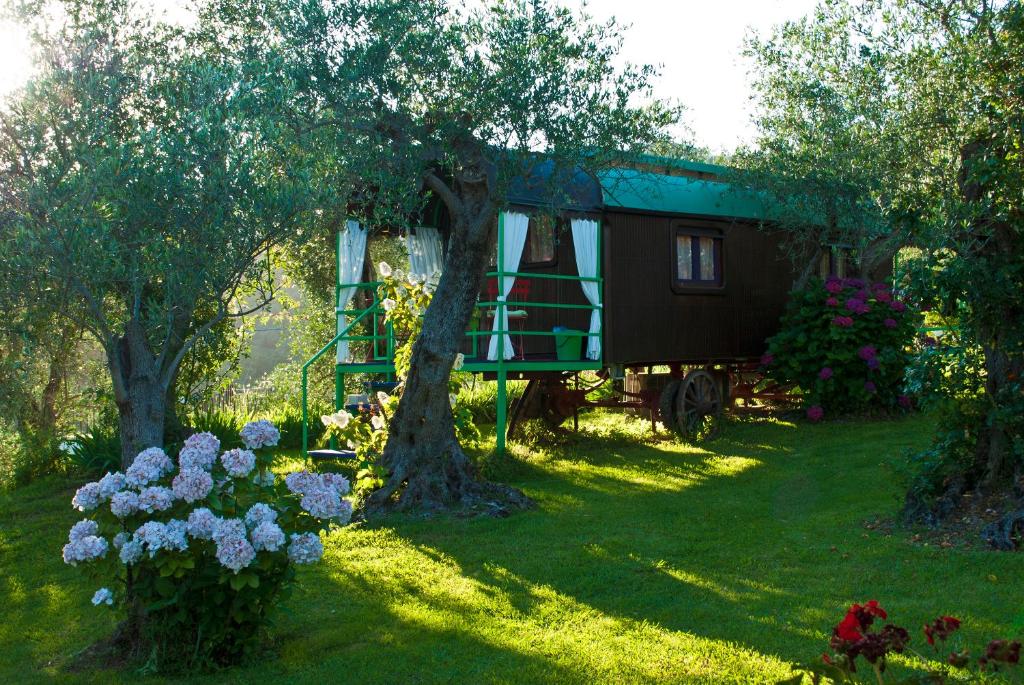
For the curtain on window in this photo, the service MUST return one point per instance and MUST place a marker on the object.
(584, 240)
(514, 229)
(425, 252)
(350, 268)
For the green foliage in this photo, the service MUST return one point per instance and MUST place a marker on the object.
(96, 451)
(845, 344)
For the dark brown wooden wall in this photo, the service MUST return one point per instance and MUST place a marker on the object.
(646, 321)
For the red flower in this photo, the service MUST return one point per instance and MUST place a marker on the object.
(941, 628)
(849, 628)
(872, 608)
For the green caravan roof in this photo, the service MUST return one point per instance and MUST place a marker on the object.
(693, 191)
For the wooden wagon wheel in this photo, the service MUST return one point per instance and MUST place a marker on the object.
(667, 403)
(698, 406)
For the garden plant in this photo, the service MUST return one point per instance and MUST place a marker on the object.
(846, 344)
(198, 555)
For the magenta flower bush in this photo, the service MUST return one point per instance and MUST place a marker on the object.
(197, 555)
(845, 344)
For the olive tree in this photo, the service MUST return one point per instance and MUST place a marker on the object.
(917, 106)
(150, 179)
(431, 97)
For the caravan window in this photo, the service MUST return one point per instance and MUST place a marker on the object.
(698, 257)
(834, 261)
(540, 241)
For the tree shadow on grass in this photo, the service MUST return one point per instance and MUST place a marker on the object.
(750, 543)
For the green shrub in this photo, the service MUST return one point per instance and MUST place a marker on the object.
(845, 344)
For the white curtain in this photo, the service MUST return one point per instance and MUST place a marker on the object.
(350, 268)
(584, 240)
(514, 231)
(425, 252)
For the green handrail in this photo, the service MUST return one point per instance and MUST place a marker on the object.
(305, 372)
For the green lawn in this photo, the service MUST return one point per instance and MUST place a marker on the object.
(642, 563)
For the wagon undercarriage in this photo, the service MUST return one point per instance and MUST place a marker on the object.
(689, 400)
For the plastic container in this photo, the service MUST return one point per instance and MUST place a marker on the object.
(568, 344)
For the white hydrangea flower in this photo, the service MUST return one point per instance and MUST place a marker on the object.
(262, 433)
(377, 421)
(322, 502)
(87, 497)
(124, 503)
(156, 498)
(111, 484)
(460, 359)
(224, 529)
(151, 464)
(238, 462)
(382, 397)
(192, 485)
(268, 536)
(85, 548)
(344, 515)
(400, 276)
(305, 548)
(131, 552)
(175, 535)
(152, 535)
(384, 269)
(199, 451)
(235, 553)
(301, 482)
(83, 528)
(103, 596)
(259, 513)
(201, 523)
(337, 482)
(388, 304)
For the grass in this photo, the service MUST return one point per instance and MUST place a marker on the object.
(643, 562)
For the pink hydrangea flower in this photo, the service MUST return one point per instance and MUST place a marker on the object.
(904, 401)
(825, 373)
(842, 321)
(832, 302)
(192, 484)
(890, 323)
(867, 352)
(870, 387)
(238, 462)
(815, 413)
(897, 306)
(834, 286)
(767, 358)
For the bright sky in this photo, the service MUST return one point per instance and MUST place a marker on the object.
(696, 42)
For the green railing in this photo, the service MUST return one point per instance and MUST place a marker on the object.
(476, 360)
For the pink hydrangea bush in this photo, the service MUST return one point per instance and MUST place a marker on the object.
(196, 554)
(845, 344)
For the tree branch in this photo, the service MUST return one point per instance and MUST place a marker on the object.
(451, 201)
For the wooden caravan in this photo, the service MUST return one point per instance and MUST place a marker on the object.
(656, 264)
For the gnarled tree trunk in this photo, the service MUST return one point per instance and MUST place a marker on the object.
(428, 469)
(139, 393)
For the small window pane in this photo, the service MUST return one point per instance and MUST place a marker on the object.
(540, 241)
(839, 255)
(684, 258)
(707, 259)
